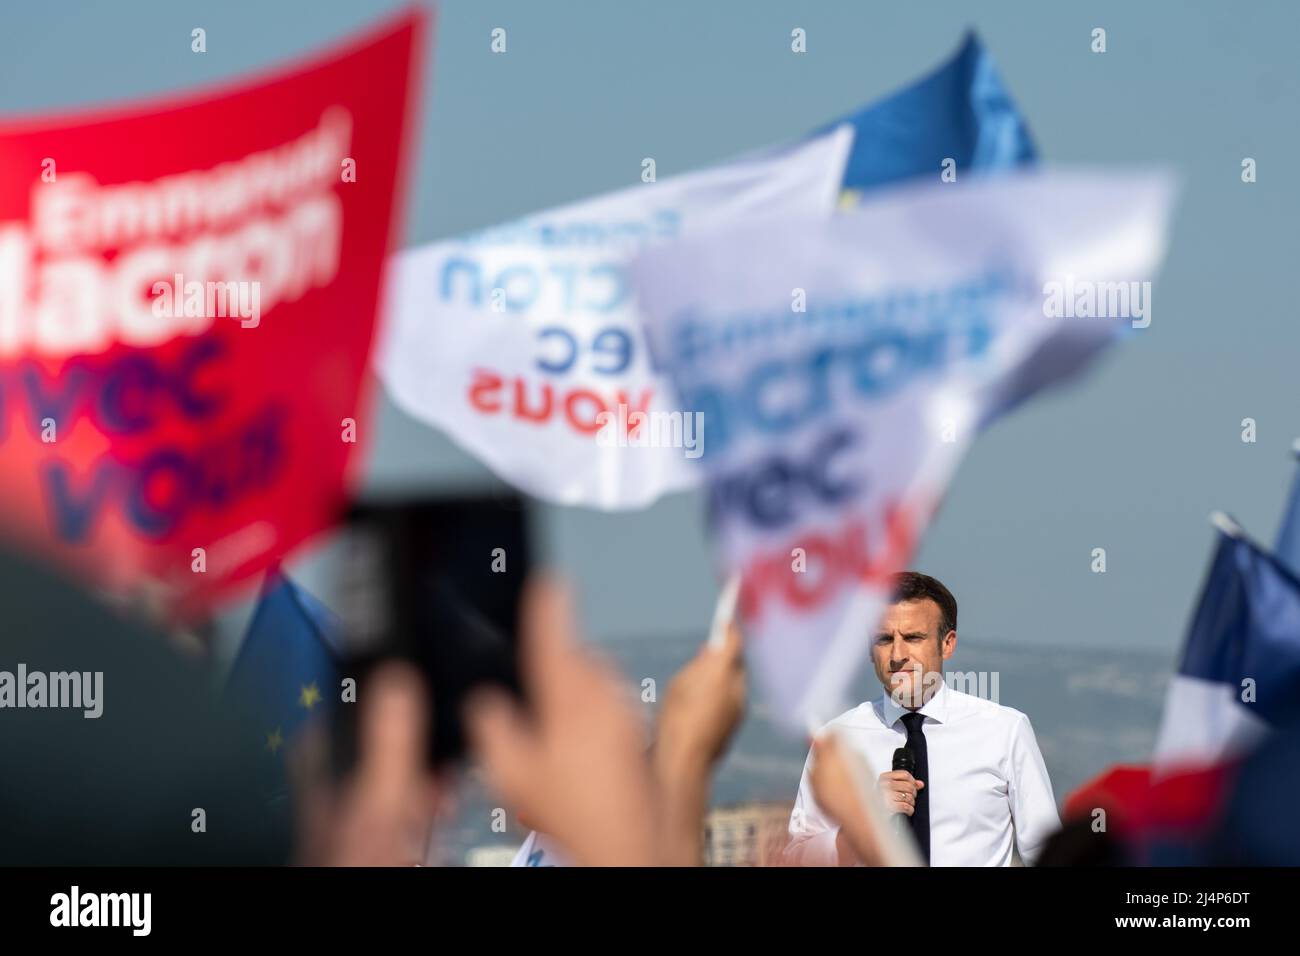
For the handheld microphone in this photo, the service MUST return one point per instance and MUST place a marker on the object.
(904, 759)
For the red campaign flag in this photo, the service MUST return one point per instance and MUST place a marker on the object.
(188, 293)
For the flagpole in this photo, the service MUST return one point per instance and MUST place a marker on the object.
(724, 611)
(1230, 526)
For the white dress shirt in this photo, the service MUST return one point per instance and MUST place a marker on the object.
(988, 786)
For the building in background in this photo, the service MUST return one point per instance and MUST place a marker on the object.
(491, 855)
(746, 834)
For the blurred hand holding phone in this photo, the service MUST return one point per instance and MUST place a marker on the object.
(435, 582)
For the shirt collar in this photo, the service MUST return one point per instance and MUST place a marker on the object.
(936, 708)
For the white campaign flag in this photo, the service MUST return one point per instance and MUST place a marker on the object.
(539, 850)
(844, 365)
(524, 342)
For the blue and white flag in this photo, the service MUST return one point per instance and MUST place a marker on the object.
(840, 368)
(1240, 670)
(524, 342)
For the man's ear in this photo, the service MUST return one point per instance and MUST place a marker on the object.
(949, 644)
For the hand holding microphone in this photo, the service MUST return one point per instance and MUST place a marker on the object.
(898, 788)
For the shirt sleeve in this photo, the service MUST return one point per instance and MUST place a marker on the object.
(812, 833)
(1033, 807)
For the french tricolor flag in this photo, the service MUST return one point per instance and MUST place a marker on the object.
(1287, 548)
(1240, 670)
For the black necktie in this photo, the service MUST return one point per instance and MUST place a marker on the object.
(920, 818)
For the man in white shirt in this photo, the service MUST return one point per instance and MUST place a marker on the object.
(979, 787)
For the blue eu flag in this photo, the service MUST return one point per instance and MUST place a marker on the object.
(287, 668)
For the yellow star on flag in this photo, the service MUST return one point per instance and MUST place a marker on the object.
(274, 740)
(310, 696)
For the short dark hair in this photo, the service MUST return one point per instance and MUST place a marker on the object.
(915, 586)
